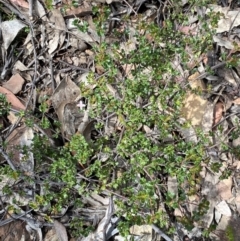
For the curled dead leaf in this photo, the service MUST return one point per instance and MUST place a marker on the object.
(218, 112)
(20, 3)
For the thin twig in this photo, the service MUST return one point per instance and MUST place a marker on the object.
(45, 134)
(34, 83)
(159, 231)
(109, 214)
(6, 157)
(225, 118)
(225, 137)
(130, 7)
(14, 10)
(30, 2)
(51, 69)
(156, 186)
(205, 74)
(74, 66)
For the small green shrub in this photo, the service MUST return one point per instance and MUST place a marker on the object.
(4, 105)
(147, 161)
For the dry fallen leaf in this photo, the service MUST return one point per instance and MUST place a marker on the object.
(207, 120)
(196, 83)
(40, 10)
(20, 3)
(10, 30)
(194, 108)
(237, 101)
(12, 99)
(223, 42)
(61, 231)
(14, 84)
(77, 12)
(127, 69)
(14, 231)
(111, 125)
(228, 19)
(236, 164)
(20, 66)
(223, 208)
(67, 91)
(219, 107)
(58, 35)
(12, 117)
(210, 191)
(51, 235)
(21, 136)
(224, 188)
(220, 229)
(188, 133)
(228, 75)
(217, 216)
(140, 229)
(70, 118)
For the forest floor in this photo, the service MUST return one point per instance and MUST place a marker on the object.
(119, 120)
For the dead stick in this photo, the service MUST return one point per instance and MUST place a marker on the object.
(159, 231)
(6, 157)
